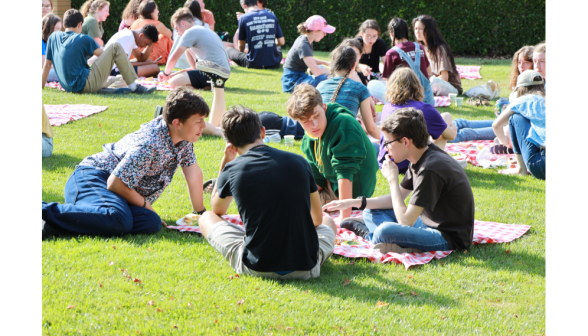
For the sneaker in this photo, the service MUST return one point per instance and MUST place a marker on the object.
(114, 91)
(355, 225)
(389, 247)
(144, 90)
(217, 74)
(158, 111)
(48, 231)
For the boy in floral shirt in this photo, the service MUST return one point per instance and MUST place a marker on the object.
(111, 193)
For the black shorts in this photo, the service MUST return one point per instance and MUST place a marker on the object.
(241, 59)
(198, 79)
(115, 71)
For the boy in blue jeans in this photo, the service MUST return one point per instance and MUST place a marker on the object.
(440, 214)
(111, 193)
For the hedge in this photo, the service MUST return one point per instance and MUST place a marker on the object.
(475, 27)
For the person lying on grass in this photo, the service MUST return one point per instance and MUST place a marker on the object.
(285, 235)
(213, 68)
(69, 52)
(342, 158)
(440, 212)
(138, 44)
(526, 122)
(112, 192)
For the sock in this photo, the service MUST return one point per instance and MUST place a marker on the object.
(133, 86)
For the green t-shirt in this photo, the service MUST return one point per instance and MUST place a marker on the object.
(91, 27)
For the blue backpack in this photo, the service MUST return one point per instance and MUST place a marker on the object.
(416, 67)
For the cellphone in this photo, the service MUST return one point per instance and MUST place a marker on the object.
(158, 58)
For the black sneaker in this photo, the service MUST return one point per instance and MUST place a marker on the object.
(356, 226)
(143, 90)
(217, 74)
(158, 111)
(49, 231)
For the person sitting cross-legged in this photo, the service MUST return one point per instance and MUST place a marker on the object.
(440, 212)
(69, 51)
(112, 192)
(285, 235)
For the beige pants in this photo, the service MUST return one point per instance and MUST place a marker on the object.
(229, 240)
(102, 67)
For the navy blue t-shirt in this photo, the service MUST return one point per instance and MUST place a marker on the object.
(69, 53)
(260, 29)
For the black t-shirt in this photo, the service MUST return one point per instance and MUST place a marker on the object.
(442, 188)
(272, 191)
(372, 59)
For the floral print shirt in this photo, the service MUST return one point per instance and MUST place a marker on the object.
(145, 160)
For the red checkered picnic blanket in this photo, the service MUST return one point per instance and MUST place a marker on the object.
(469, 71)
(472, 148)
(62, 114)
(484, 233)
(142, 80)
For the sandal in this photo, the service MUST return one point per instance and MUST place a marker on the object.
(501, 149)
(208, 186)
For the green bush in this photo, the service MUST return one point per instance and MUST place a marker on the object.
(477, 27)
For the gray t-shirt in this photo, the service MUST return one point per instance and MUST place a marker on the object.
(206, 44)
(300, 49)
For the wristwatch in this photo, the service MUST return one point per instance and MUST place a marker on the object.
(363, 202)
(199, 212)
(165, 73)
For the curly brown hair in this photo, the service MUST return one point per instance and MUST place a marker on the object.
(48, 24)
(527, 52)
(302, 102)
(182, 103)
(403, 86)
(241, 126)
(132, 10)
(91, 6)
(407, 122)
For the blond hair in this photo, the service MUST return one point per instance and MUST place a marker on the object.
(91, 6)
(302, 102)
(540, 48)
(403, 86)
(182, 14)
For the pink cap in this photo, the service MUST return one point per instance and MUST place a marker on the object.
(317, 22)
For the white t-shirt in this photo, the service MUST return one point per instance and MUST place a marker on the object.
(126, 39)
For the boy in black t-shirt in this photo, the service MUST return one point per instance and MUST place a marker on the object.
(440, 214)
(285, 235)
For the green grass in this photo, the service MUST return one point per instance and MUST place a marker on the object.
(483, 291)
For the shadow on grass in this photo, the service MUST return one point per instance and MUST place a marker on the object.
(257, 72)
(169, 235)
(52, 197)
(57, 161)
(370, 286)
(489, 179)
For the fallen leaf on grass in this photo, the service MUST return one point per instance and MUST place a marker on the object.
(149, 249)
(215, 321)
(99, 284)
(150, 303)
(400, 293)
(189, 304)
(443, 317)
(99, 125)
(351, 263)
(516, 315)
(241, 302)
(413, 293)
(346, 282)
(507, 251)
(111, 263)
(381, 304)
(410, 276)
(114, 247)
(136, 280)
(233, 276)
(257, 288)
(171, 297)
(468, 292)
(160, 310)
(175, 326)
(289, 328)
(70, 307)
(465, 251)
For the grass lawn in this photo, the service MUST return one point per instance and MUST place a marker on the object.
(186, 287)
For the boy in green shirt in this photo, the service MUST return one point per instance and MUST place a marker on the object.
(341, 156)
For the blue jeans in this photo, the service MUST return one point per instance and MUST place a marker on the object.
(90, 208)
(384, 228)
(47, 146)
(533, 156)
(291, 78)
(473, 130)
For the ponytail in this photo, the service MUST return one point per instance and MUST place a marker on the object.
(302, 29)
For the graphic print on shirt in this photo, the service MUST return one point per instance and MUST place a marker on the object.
(258, 27)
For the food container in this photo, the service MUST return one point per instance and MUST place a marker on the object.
(289, 140)
(452, 97)
(458, 101)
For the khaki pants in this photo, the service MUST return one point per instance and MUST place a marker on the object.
(229, 240)
(102, 67)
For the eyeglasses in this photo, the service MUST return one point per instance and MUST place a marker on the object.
(46, 6)
(389, 142)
